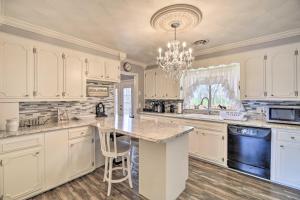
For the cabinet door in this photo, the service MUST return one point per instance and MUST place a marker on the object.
(283, 74)
(193, 142)
(22, 173)
(96, 69)
(56, 158)
(255, 77)
(74, 79)
(211, 146)
(81, 156)
(287, 165)
(173, 88)
(162, 82)
(47, 73)
(112, 70)
(150, 84)
(15, 62)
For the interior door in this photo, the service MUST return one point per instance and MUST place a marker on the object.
(126, 98)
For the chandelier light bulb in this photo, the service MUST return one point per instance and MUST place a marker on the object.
(169, 45)
(190, 50)
(184, 44)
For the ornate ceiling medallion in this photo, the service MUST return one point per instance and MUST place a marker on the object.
(187, 16)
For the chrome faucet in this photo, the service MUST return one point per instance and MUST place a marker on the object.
(208, 102)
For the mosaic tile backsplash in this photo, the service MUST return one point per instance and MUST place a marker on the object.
(168, 103)
(48, 110)
(251, 105)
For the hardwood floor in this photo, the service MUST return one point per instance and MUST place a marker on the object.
(206, 181)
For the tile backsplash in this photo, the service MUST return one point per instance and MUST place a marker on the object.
(251, 105)
(48, 110)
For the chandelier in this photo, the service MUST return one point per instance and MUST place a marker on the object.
(176, 59)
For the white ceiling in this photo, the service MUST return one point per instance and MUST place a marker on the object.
(124, 24)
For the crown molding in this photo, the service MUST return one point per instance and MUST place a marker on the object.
(138, 63)
(10, 21)
(250, 42)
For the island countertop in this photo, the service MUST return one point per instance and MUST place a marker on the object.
(149, 130)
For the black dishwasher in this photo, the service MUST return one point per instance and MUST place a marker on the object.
(249, 150)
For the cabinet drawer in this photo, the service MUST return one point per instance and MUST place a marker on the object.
(220, 127)
(288, 136)
(20, 143)
(79, 132)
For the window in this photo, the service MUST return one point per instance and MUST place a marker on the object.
(219, 84)
(127, 104)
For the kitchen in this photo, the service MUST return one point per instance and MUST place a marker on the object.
(91, 110)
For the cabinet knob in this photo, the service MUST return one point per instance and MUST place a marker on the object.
(37, 153)
(26, 95)
(292, 137)
(58, 95)
(272, 95)
(281, 146)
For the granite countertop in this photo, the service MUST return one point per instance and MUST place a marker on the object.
(216, 118)
(149, 130)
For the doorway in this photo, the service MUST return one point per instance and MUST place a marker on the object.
(126, 98)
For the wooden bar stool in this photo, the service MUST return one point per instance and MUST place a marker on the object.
(112, 148)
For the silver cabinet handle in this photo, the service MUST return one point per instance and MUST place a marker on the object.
(281, 146)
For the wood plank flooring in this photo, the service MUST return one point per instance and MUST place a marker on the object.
(206, 181)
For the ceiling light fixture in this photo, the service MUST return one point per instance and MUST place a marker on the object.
(176, 59)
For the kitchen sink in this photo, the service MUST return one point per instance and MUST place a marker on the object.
(201, 116)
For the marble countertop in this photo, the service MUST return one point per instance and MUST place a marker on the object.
(149, 130)
(216, 118)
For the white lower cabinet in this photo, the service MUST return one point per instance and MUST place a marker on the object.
(22, 173)
(286, 159)
(208, 141)
(56, 158)
(32, 164)
(81, 156)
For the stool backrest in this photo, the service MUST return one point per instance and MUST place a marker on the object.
(108, 142)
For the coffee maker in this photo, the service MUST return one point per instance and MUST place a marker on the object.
(100, 110)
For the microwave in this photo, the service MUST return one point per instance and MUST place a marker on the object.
(283, 114)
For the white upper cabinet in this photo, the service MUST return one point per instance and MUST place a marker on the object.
(74, 76)
(255, 73)
(112, 70)
(15, 62)
(150, 84)
(282, 71)
(95, 68)
(47, 72)
(158, 85)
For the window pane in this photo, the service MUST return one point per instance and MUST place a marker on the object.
(127, 104)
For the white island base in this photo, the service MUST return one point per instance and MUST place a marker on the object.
(163, 168)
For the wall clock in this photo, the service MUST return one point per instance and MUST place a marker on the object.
(127, 67)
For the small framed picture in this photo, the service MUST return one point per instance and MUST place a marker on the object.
(97, 91)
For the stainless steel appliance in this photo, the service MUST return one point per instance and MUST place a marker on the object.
(283, 114)
(249, 150)
(100, 110)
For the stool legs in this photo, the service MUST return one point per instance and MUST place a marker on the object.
(129, 171)
(109, 175)
(105, 169)
(123, 165)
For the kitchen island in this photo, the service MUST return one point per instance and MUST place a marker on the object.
(163, 150)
